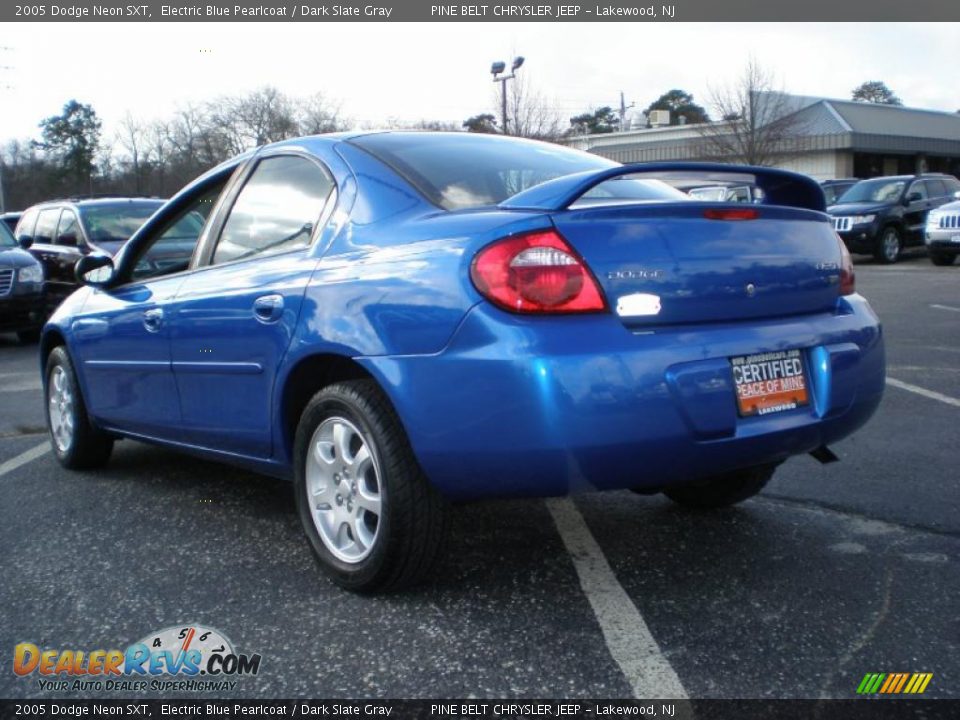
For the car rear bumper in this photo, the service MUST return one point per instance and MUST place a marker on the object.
(548, 406)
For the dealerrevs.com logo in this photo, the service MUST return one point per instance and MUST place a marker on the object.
(179, 658)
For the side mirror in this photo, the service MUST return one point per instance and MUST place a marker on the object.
(26, 241)
(95, 269)
(913, 197)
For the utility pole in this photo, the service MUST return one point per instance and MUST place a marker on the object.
(623, 110)
(3, 86)
(496, 69)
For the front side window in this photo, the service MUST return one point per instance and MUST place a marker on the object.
(116, 222)
(918, 188)
(276, 210)
(26, 225)
(173, 246)
(46, 226)
(936, 188)
(68, 231)
(6, 237)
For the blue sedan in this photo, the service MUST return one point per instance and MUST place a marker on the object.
(399, 320)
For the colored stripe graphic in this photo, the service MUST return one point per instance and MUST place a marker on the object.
(894, 683)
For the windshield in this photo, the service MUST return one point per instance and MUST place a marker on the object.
(6, 237)
(116, 222)
(879, 190)
(465, 170)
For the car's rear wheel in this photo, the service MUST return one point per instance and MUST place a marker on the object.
(77, 444)
(372, 518)
(942, 258)
(889, 245)
(722, 490)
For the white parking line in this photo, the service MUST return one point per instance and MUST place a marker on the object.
(24, 457)
(933, 395)
(627, 636)
(945, 307)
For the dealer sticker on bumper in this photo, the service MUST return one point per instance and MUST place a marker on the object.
(769, 382)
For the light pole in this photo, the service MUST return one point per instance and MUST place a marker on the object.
(496, 70)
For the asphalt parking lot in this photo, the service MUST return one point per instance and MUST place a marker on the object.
(833, 572)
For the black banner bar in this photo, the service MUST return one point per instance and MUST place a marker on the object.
(420, 10)
(861, 709)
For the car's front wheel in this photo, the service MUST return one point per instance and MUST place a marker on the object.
(942, 258)
(722, 490)
(77, 444)
(372, 518)
(889, 245)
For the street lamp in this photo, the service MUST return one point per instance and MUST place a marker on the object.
(497, 70)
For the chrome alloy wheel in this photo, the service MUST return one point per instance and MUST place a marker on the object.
(344, 489)
(60, 402)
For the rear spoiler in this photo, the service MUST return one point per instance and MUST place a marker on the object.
(780, 187)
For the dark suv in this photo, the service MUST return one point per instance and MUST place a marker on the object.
(60, 232)
(883, 215)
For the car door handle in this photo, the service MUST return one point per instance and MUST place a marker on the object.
(153, 320)
(268, 308)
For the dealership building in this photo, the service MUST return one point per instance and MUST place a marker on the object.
(829, 139)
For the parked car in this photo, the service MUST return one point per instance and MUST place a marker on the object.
(10, 219)
(943, 233)
(21, 289)
(833, 189)
(60, 232)
(883, 215)
(397, 320)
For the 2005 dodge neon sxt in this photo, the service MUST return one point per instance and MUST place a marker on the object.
(397, 320)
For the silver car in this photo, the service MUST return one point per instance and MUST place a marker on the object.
(942, 234)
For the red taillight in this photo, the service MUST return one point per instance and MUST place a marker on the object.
(847, 277)
(536, 273)
(731, 213)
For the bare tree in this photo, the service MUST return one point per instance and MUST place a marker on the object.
(131, 135)
(760, 124)
(262, 116)
(316, 114)
(529, 114)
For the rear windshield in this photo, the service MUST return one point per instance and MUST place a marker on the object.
(109, 222)
(880, 190)
(465, 170)
(6, 237)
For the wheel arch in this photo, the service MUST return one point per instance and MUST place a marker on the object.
(307, 377)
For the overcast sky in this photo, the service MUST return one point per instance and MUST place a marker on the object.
(441, 71)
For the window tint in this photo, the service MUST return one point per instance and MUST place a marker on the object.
(276, 210)
(173, 246)
(26, 224)
(68, 231)
(935, 188)
(46, 226)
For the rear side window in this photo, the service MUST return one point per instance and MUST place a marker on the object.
(936, 188)
(46, 226)
(277, 209)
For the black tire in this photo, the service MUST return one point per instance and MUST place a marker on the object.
(88, 446)
(889, 245)
(942, 258)
(28, 337)
(412, 523)
(722, 490)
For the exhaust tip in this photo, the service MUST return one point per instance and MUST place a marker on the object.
(824, 455)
